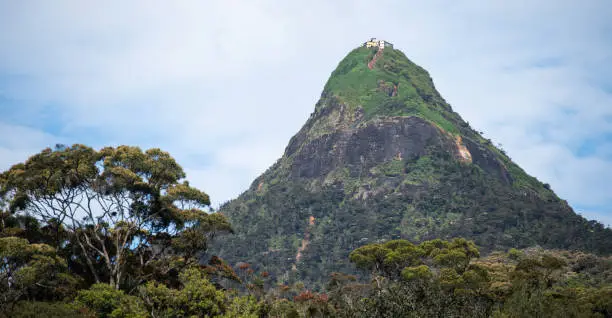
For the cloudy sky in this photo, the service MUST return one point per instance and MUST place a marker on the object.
(223, 85)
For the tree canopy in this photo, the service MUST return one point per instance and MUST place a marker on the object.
(119, 232)
(119, 216)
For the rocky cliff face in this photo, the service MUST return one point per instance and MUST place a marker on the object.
(383, 156)
(359, 150)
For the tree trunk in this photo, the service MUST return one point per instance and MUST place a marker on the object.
(88, 261)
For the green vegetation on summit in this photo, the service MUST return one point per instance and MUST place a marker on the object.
(394, 87)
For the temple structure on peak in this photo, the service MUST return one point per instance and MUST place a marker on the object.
(373, 42)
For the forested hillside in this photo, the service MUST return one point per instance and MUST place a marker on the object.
(384, 157)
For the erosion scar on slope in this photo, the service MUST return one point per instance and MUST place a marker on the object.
(463, 151)
(305, 242)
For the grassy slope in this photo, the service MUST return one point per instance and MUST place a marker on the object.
(357, 86)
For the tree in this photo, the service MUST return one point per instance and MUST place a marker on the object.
(434, 278)
(196, 296)
(124, 208)
(31, 271)
(107, 302)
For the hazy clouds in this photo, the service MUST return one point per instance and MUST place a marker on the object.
(223, 85)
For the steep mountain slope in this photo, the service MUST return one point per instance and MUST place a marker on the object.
(383, 156)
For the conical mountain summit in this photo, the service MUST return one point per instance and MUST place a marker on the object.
(383, 156)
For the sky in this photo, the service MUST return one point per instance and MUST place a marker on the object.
(223, 85)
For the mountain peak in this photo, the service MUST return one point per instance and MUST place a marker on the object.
(376, 80)
(383, 157)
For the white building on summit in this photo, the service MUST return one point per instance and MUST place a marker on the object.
(373, 42)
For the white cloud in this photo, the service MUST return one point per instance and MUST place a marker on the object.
(17, 143)
(230, 82)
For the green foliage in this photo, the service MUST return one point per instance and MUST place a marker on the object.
(391, 168)
(416, 273)
(514, 254)
(119, 208)
(78, 218)
(370, 256)
(357, 86)
(456, 255)
(32, 271)
(284, 308)
(536, 284)
(195, 297)
(243, 307)
(106, 301)
(35, 309)
(400, 258)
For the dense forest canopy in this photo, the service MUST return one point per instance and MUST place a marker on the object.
(119, 233)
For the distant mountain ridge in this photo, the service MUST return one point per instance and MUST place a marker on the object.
(383, 156)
